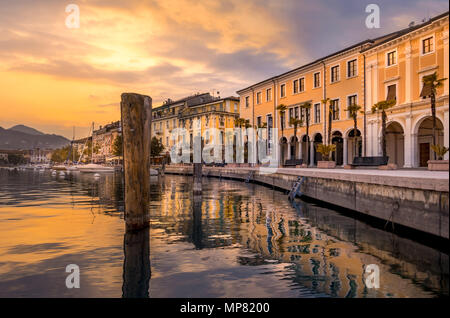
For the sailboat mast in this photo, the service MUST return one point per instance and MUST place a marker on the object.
(92, 144)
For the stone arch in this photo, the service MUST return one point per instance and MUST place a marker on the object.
(352, 145)
(338, 154)
(317, 138)
(294, 147)
(395, 143)
(283, 149)
(423, 131)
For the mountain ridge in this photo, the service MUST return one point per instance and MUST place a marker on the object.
(21, 137)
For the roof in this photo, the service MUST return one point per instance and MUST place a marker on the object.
(391, 36)
(370, 43)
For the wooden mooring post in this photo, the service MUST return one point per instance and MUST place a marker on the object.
(136, 111)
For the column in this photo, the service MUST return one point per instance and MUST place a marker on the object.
(445, 40)
(446, 137)
(289, 151)
(408, 76)
(311, 153)
(414, 151)
(345, 161)
(300, 150)
(408, 148)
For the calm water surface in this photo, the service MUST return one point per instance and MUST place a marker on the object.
(237, 240)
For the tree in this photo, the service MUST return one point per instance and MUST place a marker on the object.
(156, 147)
(433, 83)
(330, 117)
(382, 106)
(440, 151)
(117, 148)
(282, 110)
(325, 150)
(353, 110)
(307, 108)
(295, 122)
(16, 159)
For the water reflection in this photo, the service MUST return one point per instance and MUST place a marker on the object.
(136, 265)
(236, 240)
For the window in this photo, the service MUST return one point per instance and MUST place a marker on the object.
(268, 95)
(351, 100)
(167, 124)
(174, 123)
(351, 68)
(236, 107)
(427, 45)
(296, 112)
(301, 84)
(335, 109)
(295, 85)
(316, 79)
(258, 121)
(167, 141)
(334, 73)
(291, 113)
(391, 92)
(302, 114)
(247, 101)
(317, 113)
(392, 58)
(258, 98)
(283, 90)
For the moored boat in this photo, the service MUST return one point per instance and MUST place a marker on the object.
(93, 168)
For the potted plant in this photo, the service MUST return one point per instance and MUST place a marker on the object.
(326, 150)
(440, 164)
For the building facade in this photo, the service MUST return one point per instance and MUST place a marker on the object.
(356, 75)
(103, 141)
(396, 67)
(197, 112)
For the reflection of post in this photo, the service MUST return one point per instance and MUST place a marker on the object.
(197, 178)
(136, 265)
(197, 222)
(136, 113)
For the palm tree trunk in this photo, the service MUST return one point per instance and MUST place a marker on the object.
(433, 114)
(307, 138)
(355, 138)
(295, 142)
(383, 133)
(330, 118)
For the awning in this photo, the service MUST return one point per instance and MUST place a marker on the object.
(426, 90)
(391, 93)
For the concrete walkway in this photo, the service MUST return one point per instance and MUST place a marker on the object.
(408, 178)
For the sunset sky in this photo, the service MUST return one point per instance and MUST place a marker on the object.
(53, 78)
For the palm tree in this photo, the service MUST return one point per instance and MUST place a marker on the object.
(330, 117)
(295, 122)
(353, 110)
(282, 110)
(307, 107)
(383, 106)
(433, 83)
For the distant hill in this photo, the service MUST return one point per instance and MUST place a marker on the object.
(26, 129)
(21, 137)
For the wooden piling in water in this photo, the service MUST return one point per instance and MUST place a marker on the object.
(136, 111)
(198, 174)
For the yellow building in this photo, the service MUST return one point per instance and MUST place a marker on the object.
(342, 78)
(395, 68)
(201, 111)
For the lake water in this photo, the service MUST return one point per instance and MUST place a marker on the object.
(237, 240)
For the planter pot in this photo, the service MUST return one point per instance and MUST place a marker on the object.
(326, 164)
(438, 165)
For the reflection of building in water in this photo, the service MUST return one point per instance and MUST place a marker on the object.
(328, 251)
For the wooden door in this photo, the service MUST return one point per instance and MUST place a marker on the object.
(424, 154)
